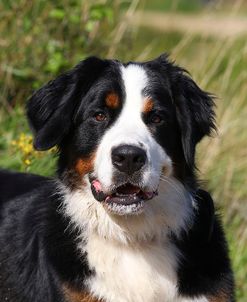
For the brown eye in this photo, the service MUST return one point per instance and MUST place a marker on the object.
(156, 119)
(100, 117)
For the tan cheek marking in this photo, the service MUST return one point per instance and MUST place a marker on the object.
(112, 100)
(221, 297)
(85, 165)
(148, 105)
(73, 295)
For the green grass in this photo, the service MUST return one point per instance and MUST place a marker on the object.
(184, 6)
(217, 65)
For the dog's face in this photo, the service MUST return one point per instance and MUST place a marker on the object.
(129, 156)
(122, 128)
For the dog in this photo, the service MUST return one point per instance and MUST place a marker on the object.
(126, 219)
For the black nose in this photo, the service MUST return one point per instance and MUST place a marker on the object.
(128, 159)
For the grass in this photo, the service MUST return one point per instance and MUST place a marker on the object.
(183, 6)
(222, 7)
(218, 65)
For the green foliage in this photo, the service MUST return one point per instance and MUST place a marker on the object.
(184, 6)
(40, 39)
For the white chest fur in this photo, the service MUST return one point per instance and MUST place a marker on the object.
(140, 273)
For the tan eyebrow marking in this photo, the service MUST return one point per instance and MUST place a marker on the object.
(112, 100)
(148, 105)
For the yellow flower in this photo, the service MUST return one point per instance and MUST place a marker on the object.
(27, 149)
(27, 162)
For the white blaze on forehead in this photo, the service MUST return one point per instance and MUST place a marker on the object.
(135, 81)
(129, 123)
(129, 128)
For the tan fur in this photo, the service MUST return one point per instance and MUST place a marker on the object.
(112, 100)
(221, 297)
(73, 295)
(85, 165)
(148, 105)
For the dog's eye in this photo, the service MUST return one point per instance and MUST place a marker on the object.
(100, 116)
(156, 119)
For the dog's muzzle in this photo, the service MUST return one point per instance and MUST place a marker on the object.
(126, 191)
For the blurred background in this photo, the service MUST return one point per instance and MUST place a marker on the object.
(40, 39)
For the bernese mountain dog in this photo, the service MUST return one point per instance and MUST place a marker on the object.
(126, 219)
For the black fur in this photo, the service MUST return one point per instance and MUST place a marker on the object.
(38, 252)
(205, 268)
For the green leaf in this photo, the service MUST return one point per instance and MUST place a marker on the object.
(57, 14)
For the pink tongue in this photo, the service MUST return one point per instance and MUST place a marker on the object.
(97, 185)
(128, 189)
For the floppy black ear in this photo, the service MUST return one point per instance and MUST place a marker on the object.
(195, 113)
(50, 109)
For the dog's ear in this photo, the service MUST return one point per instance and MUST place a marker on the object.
(195, 114)
(50, 109)
(194, 108)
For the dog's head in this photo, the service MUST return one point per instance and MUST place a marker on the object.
(122, 128)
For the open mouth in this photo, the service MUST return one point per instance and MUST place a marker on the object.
(126, 195)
